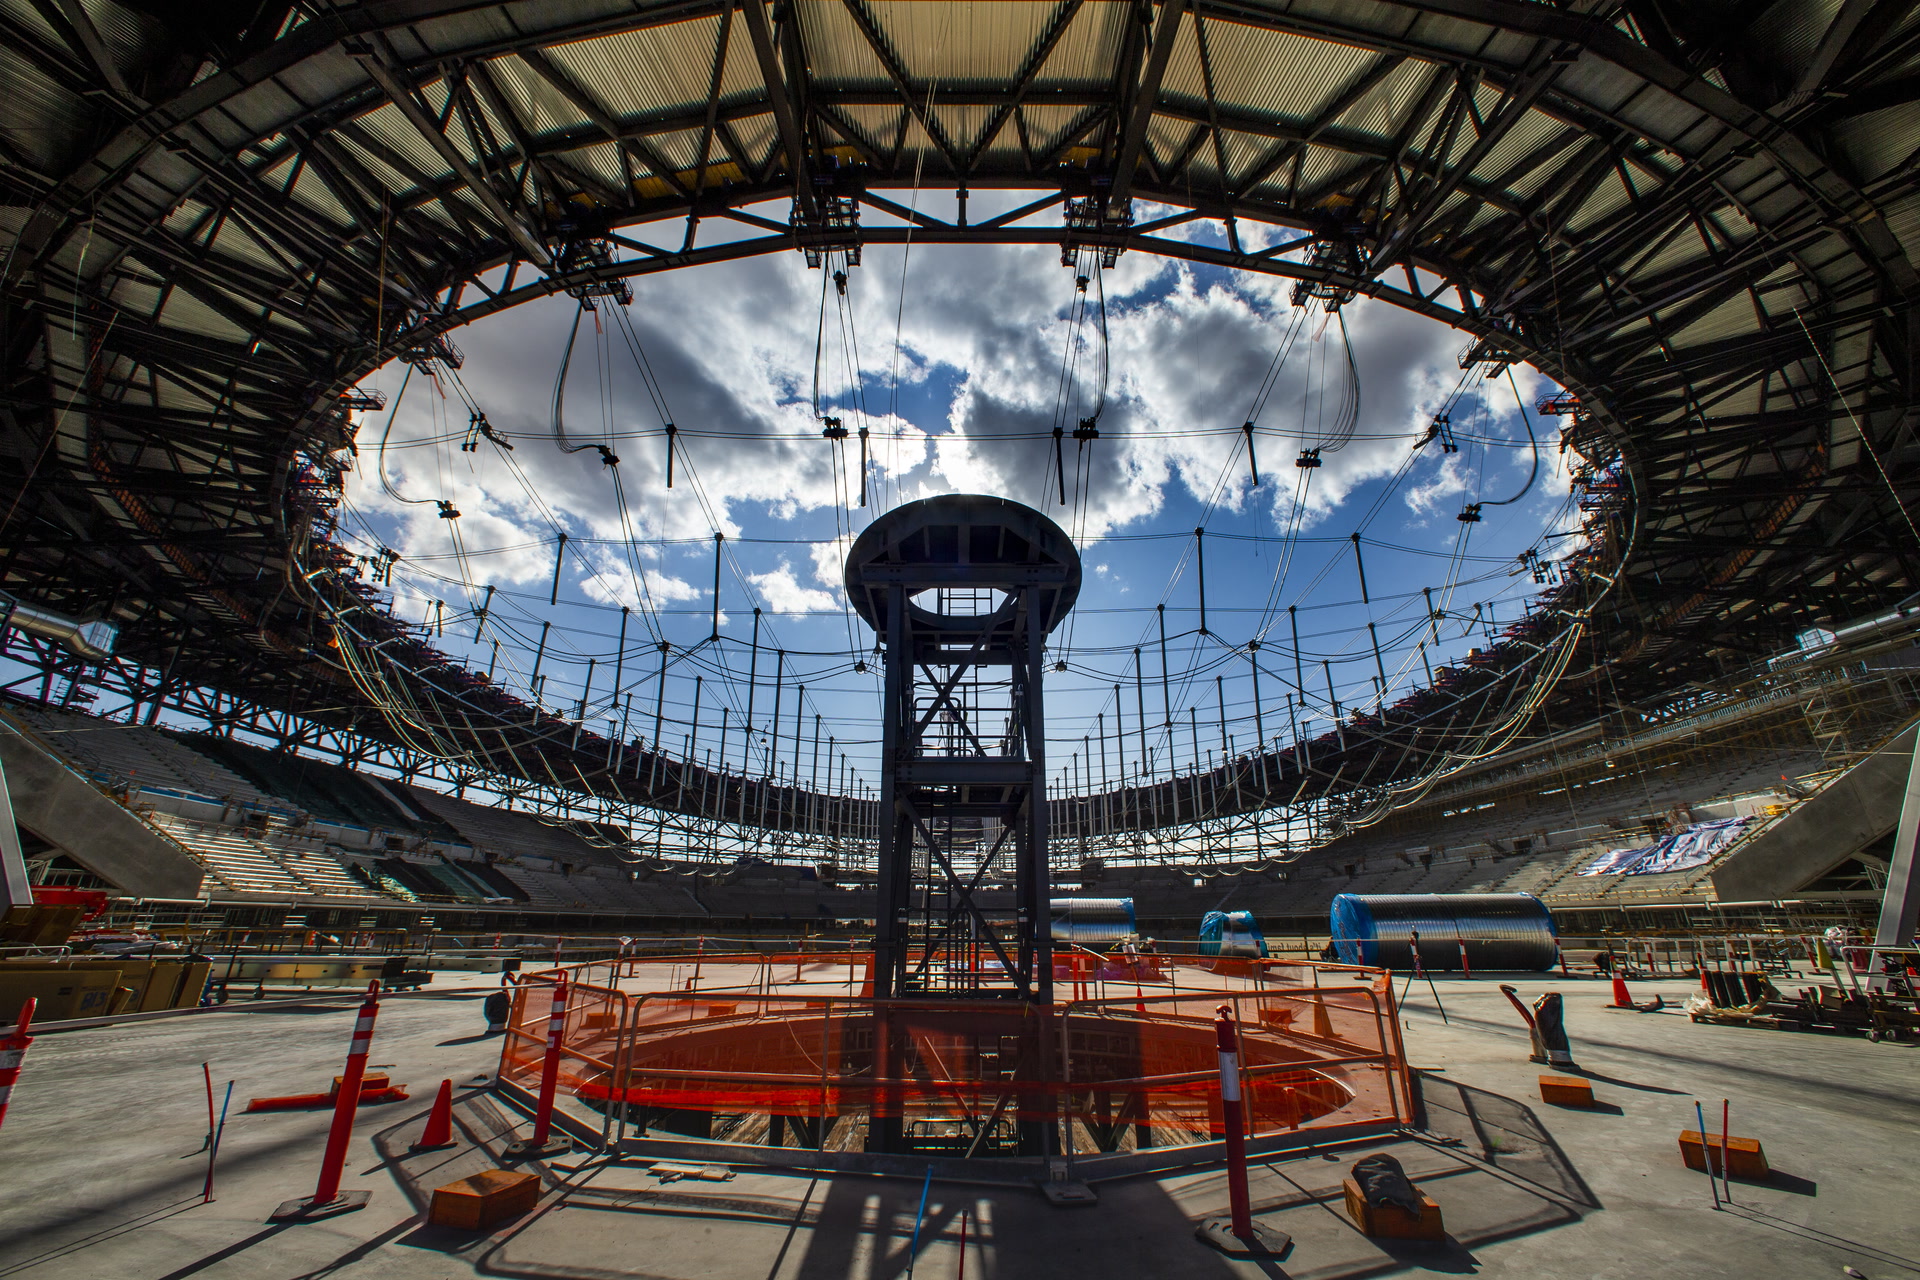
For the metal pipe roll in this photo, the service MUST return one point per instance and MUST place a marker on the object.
(1498, 931)
(1084, 920)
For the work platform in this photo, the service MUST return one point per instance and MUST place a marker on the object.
(795, 1052)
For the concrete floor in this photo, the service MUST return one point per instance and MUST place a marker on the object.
(102, 1164)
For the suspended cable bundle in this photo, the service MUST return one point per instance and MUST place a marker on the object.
(1512, 931)
(1334, 435)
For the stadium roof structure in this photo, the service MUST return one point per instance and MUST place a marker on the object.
(1700, 218)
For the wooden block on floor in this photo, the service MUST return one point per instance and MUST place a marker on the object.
(1744, 1156)
(1566, 1091)
(478, 1202)
(369, 1082)
(1390, 1221)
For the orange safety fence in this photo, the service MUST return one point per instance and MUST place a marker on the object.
(1124, 1070)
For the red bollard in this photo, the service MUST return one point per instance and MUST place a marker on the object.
(327, 1198)
(1466, 970)
(1236, 1235)
(541, 1143)
(12, 1049)
(1235, 1120)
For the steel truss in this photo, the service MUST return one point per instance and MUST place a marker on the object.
(703, 836)
(963, 592)
(1679, 224)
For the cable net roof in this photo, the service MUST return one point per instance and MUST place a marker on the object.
(1698, 219)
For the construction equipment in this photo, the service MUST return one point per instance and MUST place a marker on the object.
(1741, 998)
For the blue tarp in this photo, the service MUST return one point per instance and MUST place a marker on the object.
(1695, 846)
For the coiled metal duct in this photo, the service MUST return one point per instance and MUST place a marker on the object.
(1093, 919)
(1512, 931)
(1231, 933)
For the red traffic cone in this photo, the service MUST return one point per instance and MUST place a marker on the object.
(439, 1131)
(1621, 1000)
(1139, 1002)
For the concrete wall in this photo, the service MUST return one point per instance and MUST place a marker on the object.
(1822, 831)
(64, 809)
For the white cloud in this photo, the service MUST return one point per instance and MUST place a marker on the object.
(733, 348)
(784, 594)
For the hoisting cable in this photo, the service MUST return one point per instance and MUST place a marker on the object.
(1533, 472)
(381, 460)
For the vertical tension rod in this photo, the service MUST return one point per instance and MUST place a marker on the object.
(718, 538)
(863, 466)
(1253, 463)
(1200, 559)
(1060, 462)
(1299, 678)
(620, 651)
(672, 431)
(539, 655)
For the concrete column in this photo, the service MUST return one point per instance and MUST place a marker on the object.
(1900, 906)
(14, 889)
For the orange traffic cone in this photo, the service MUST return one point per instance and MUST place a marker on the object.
(1322, 1024)
(1621, 1000)
(439, 1131)
(1139, 1002)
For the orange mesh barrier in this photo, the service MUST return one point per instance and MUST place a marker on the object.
(795, 1037)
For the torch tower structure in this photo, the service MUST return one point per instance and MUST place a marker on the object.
(963, 591)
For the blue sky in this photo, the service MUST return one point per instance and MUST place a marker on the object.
(981, 336)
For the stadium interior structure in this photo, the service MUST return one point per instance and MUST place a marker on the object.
(227, 726)
(1716, 278)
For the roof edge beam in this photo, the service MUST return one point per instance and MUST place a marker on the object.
(792, 141)
(1135, 138)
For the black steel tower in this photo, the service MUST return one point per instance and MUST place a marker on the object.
(963, 591)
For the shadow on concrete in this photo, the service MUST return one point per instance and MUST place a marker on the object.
(1480, 1206)
(478, 1125)
(1625, 1084)
(219, 1256)
(450, 1240)
(102, 1236)
(1448, 1257)
(280, 1140)
(473, 1039)
(359, 1251)
(866, 1228)
(1505, 1134)
(1791, 1182)
(1868, 1252)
